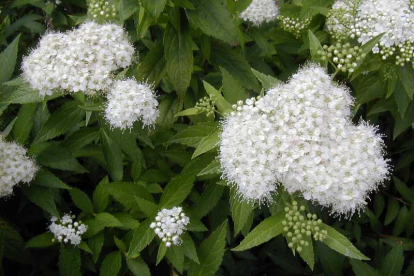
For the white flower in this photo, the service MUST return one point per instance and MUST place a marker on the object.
(300, 135)
(66, 230)
(15, 167)
(128, 102)
(80, 60)
(367, 19)
(260, 11)
(169, 225)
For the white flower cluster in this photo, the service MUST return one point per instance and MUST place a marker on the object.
(169, 225)
(300, 135)
(128, 102)
(15, 167)
(67, 230)
(366, 19)
(260, 12)
(79, 60)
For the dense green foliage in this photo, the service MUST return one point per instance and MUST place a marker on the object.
(116, 181)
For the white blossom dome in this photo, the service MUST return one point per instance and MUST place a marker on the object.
(130, 101)
(260, 12)
(66, 229)
(15, 167)
(300, 135)
(367, 19)
(169, 225)
(79, 60)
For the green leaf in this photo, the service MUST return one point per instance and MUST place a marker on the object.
(125, 193)
(315, 47)
(401, 221)
(56, 157)
(113, 156)
(8, 60)
(111, 265)
(43, 198)
(101, 196)
(138, 267)
(392, 210)
(307, 253)
(406, 76)
(214, 19)
(362, 269)
(162, 250)
(366, 49)
(179, 57)
(406, 192)
(169, 106)
(65, 118)
(24, 123)
(24, 94)
(213, 169)
(268, 82)
(69, 261)
(222, 105)
(81, 200)
(393, 262)
(152, 67)
(229, 59)
(189, 112)
(240, 211)
(266, 230)
(127, 221)
(47, 179)
(341, 244)
(208, 200)
(176, 257)
(154, 7)
(232, 90)
(149, 208)
(177, 190)
(210, 253)
(101, 221)
(81, 138)
(42, 240)
(193, 135)
(95, 244)
(208, 143)
(142, 238)
(188, 248)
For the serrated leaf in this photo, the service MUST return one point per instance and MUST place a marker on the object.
(24, 94)
(66, 117)
(179, 57)
(362, 269)
(101, 196)
(176, 257)
(138, 267)
(169, 106)
(162, 250)
(188, 248)
(81, 200)
(8, 60)
(208, 143)
(189, 112)
(266, 230)
(154, 7)
(149, 208)
(210, 253)
(214, 168)
(240, 211)
(193, 135)
(208, 200)
(69, 261)
(95, 244)
(47, 179)
(81, 138)
(101, 221)
(142, 238)
(222, 104)
(177, 190)
(43, 198)
(125, 193)
(401, 221)
(232, 90)
(393, 262)
(127, 221)
(307, 253)
(214, 19)
(315, 47)
(392, 210)
(268, 82)
(152, 67)
(113, 156)
(42, 240)
(406, 76)
(111, 265)
(341, 244)
(24, 123)
(406, 192)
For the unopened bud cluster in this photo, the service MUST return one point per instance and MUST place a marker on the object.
(100, 9)
(298, 225)
(343, 55)
(67, 230)
(207, 104)
(169, 225)
(293, 25)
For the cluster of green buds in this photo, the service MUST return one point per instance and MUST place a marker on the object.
(207, 104)
(292, 25)
(298, 225)
(405, 53)
(102, 10)
(389, 71)
(343, 55)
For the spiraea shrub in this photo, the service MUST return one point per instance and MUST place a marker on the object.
(202, 138)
